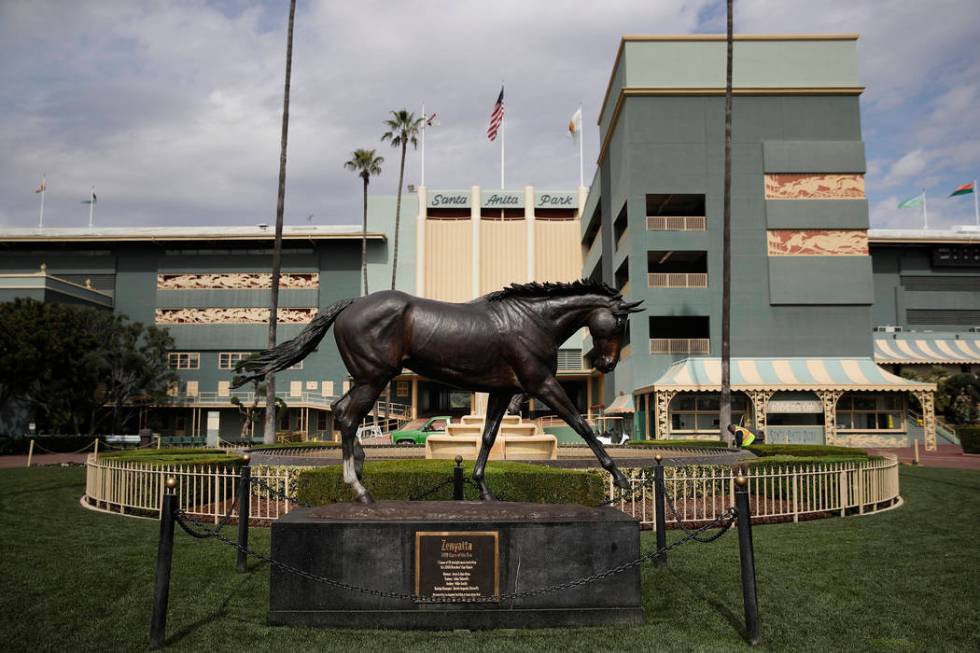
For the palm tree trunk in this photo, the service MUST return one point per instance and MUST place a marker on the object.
(364, 239)
(725, 412)
(398, 215)
(269, 436)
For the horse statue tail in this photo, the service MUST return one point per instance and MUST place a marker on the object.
(292, 351)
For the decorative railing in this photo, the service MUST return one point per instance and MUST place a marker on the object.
(680, 345)
(206, 491)
(778, 493)
(695, 493)
(676, 223)
(677, 279)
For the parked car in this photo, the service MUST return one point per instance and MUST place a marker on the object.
(417, 431)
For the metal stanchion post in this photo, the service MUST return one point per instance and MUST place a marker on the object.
(659, 497)
(165, 551)
(244, 494)
(747, 559)
(458, 479)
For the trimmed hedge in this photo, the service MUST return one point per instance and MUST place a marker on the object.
(705, 444)
(199, 456)
(969, 438)
(804, 450)
(409, 479)
(314, 444)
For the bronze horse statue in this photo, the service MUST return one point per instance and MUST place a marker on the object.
(504, 343)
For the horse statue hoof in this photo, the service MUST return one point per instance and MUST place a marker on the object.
(366, 498)
(487, 496)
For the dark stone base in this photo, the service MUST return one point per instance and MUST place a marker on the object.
(374, 547)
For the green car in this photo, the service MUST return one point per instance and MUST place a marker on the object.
(417, 431)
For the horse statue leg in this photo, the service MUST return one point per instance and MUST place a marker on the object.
(350, 412)
(554, 395)
(496, 407)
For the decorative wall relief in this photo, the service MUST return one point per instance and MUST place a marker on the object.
(814, 187)
(236, 280)
(818, 242)
(231, 315)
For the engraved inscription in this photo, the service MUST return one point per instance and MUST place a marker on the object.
(457, 564)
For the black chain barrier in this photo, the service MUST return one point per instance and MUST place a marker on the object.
(279, 494)
(188, 524)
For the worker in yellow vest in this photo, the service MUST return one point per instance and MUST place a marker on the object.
(743, 436)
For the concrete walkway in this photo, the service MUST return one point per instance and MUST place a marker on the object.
(946, 455)
(8, 462)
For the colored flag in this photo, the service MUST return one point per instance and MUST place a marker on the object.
(575, 124)
(430, 120)
(965, 189)
(94, 200)
(913, 201)
(43, 187)
(496, 116)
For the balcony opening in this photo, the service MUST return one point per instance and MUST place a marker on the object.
(619, 227)
(677, 269)
(595, 224)
(680, 334)
(501, 214)
(675, 212)
(448, 214)
(622, 277)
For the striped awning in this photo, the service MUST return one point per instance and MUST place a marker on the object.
(621, 404)
(927, 350)
(784, 374)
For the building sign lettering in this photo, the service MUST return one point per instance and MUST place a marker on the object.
(449, 199)
(502, 199)
(555, 200)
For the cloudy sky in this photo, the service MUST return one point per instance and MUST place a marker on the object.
(172, 108)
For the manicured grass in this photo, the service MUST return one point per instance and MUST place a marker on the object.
(904, 580)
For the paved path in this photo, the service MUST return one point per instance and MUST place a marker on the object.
(946, 455)
(7, 462)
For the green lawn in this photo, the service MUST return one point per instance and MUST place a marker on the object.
(904, 580)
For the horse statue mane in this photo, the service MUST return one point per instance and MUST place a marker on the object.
(554, 289)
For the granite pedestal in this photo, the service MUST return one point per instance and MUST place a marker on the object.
(446, 549)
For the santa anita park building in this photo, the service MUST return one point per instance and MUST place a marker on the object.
(826, 313)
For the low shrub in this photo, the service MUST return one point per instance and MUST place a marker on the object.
(409, 479)
(969, 436)
(804, 450)
(312, 444)
(705, 444)
(177, 456)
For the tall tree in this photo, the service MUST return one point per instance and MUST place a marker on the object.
(269, 435)
(365, 164)
(403, 128)
(725, 409)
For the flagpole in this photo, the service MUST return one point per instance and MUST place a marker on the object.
(503, 122)
(581, 164)
(424, 125)
(925, 211)
(976, 210)
(91, 209)
(44, 189)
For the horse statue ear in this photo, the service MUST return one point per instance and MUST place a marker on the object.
(631, 307)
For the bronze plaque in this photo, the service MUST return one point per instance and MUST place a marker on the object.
(457, 564)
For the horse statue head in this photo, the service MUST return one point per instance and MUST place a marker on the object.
(607, 326)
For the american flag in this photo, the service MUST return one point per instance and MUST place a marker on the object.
(496, 116)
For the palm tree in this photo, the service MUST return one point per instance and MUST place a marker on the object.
(725, 412)
(269, 433)
(403, 128)
(365, 164)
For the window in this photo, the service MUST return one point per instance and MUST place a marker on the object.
(619, 228)
(867, 412)
(402, 389)
(698, 413)
(184, 360)
(228, 359)
(326, 388)
(321, 421)
(679, 334)
(675, 212)
(677, 269)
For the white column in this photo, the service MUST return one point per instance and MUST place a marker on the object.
(475, 220)
(583, 193)
(529, 219)
(420, 251)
